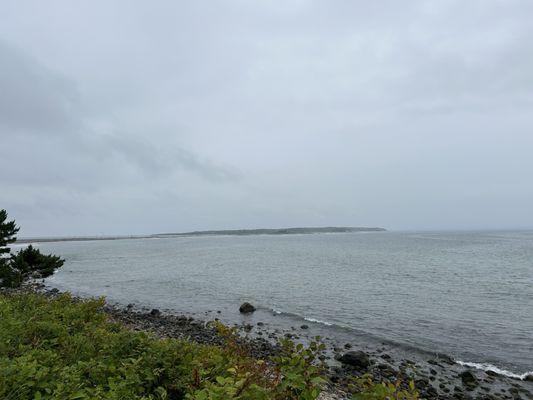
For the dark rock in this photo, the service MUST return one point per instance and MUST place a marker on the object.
(387, 370)
(445, 359)
(246, 308)
(385, 356)
(358, 359)
(529, 378)
(422, 382)
(431, 392)
(155, 312)
(347, 346)
(468, 378)
(304, 326)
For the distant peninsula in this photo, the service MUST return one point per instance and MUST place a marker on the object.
(226, 232)
(276, 231)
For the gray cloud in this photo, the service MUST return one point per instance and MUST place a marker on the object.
(129, 117)
(33, 99)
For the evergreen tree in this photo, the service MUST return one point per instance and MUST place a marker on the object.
(8, 230)
(27, 263)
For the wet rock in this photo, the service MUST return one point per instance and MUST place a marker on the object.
(304, 326)
(246, 308)
(387, 370)
(434, 362)
(155, 312)
(469, 379)
(422, 382)
(357, 359)
(445, 359)
(431, 392)
(347, 346)
(529, 378)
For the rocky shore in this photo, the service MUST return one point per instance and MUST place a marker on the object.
(436, 376)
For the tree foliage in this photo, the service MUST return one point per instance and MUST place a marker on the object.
(8, 230)
(27, 263)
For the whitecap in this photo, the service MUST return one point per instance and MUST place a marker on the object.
(493, 368)
(318, 321)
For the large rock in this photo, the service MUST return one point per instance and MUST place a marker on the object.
(468, 378)
(529, 378)
(246, 308)
(357, 359)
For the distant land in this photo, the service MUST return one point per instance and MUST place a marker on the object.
(234, 232)
(278, 231)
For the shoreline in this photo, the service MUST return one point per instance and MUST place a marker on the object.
(435, 376)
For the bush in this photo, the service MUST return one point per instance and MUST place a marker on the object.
(366, 389)
(64, 349)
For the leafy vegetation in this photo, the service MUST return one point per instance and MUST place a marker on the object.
(366, 389)
(64, 349)
(27, 263)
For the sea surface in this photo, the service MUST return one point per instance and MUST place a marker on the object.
(469, 295)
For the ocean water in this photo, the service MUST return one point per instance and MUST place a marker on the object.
(469, 295)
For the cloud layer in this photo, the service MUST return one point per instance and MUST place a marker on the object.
(130, 117)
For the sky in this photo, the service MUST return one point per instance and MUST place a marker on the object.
(136, 117)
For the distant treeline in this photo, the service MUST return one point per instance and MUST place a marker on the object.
(278, 231)
(235, 232)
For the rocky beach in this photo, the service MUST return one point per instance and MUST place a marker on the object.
(436, 376)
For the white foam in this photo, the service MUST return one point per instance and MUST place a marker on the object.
(318, 321)
(493, 368)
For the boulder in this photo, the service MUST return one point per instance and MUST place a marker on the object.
(304, 327)
(246, 308)
(357, 359)
(155, 312)
(529, 378)
(468, 378)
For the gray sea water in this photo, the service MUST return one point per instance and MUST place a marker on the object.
(469, 295)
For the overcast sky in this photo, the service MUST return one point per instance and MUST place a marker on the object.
(130, 117)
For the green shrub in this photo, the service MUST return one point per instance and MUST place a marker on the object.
(366, 389)
(64, 349)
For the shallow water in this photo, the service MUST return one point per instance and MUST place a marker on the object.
(465, 294)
